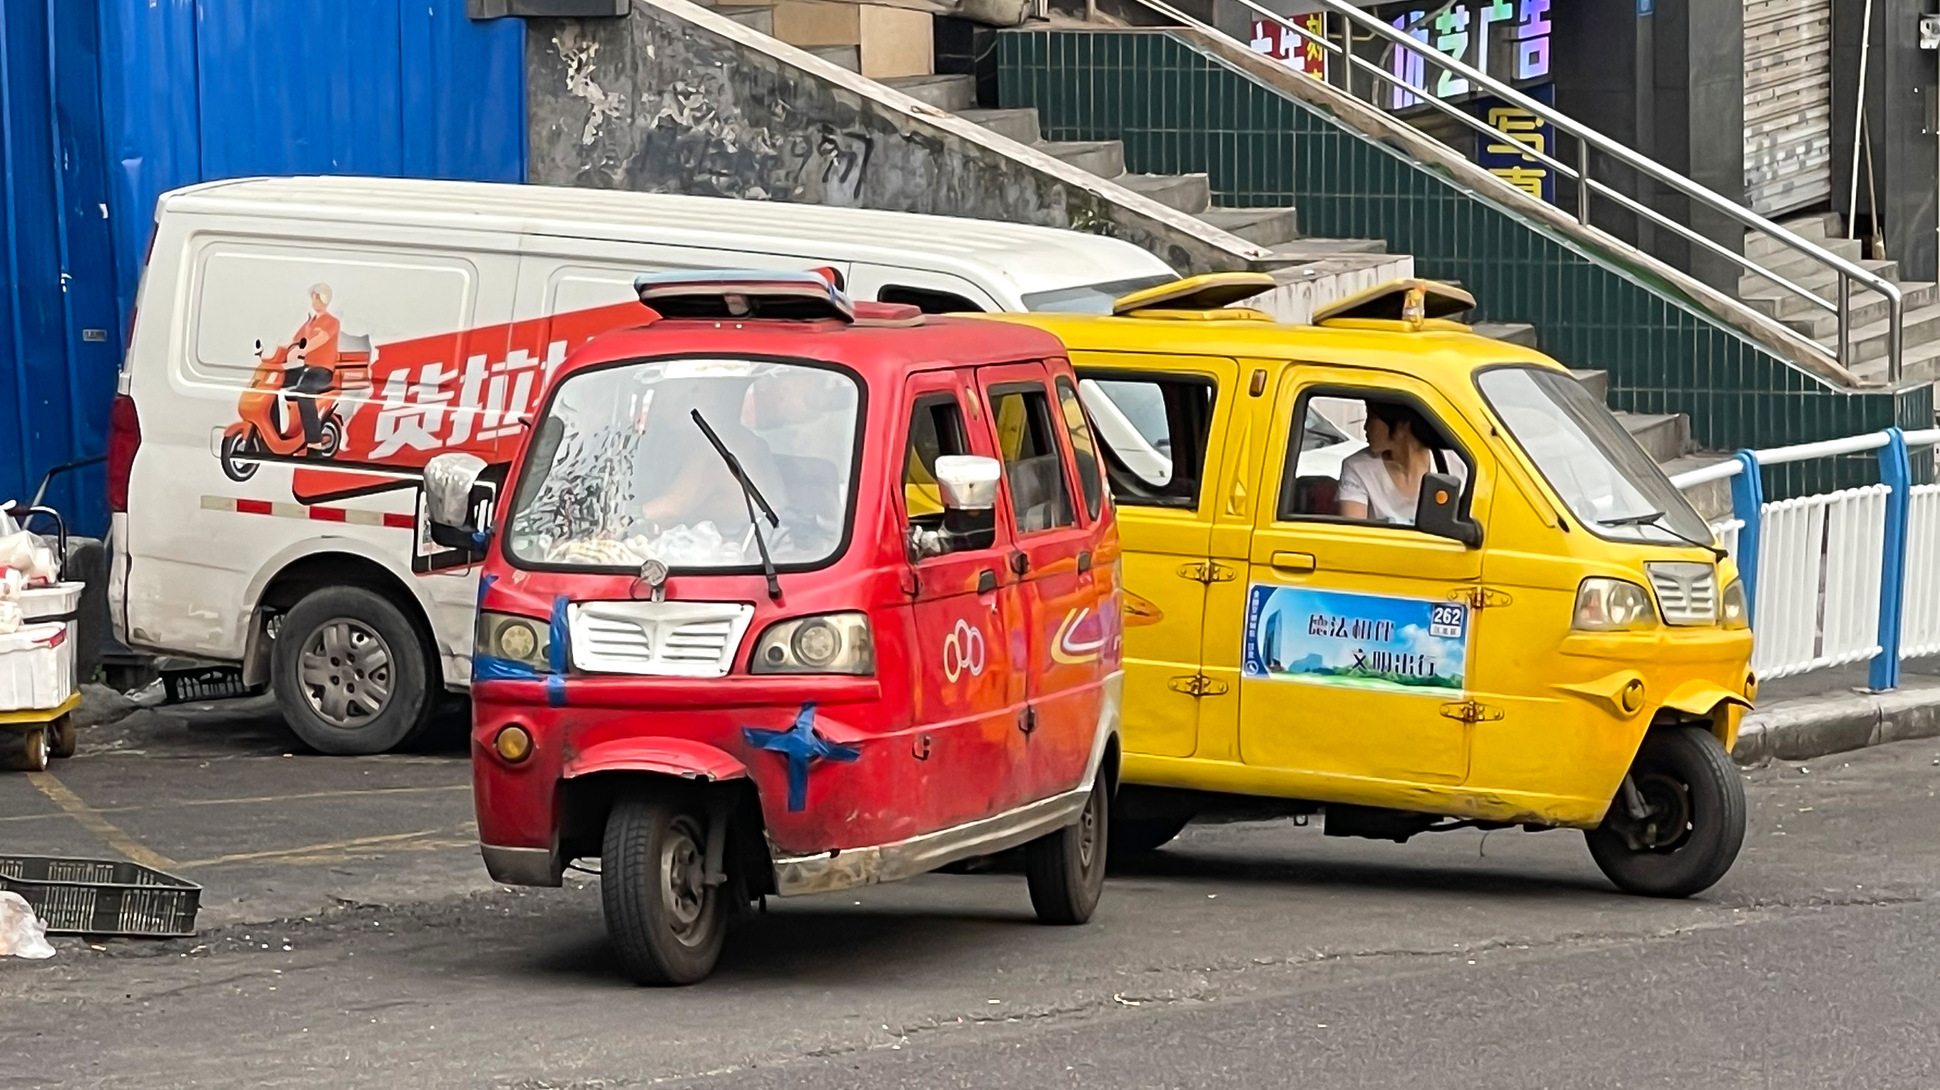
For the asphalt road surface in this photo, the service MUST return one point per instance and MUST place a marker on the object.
(1240, 956)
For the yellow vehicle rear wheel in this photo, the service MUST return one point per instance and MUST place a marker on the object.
(1693, 819)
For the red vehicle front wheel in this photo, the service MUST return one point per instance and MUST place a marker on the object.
(666, 923)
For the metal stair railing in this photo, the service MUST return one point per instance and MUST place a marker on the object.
(1588, 140)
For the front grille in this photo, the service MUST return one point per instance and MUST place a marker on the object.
(666, 639)
(1687, 594)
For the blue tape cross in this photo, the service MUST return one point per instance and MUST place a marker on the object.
(803, 745)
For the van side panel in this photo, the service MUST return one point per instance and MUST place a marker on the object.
(206, 532)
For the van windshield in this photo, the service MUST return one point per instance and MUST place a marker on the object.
(1092, 298)
(620, 473)
(1605, 478)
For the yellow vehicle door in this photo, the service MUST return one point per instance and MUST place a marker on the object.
(1161, 421)
(1358, 629)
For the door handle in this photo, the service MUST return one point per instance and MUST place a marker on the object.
(986, 581)
(1020, 562)
(1084, 561)
(1294, 562)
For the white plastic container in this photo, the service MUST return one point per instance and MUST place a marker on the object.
(54, 603)
(36, 668)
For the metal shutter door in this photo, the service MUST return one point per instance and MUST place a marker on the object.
(1788, 103)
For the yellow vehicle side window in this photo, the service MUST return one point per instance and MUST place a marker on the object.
(1360, 455)
(935, 429)
(1152, 431)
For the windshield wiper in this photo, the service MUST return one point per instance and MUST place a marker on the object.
(753, 496)
(1653, 519)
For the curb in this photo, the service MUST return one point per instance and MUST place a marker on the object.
(1814, 726)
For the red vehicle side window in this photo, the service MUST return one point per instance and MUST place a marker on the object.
(1027, 437)
(935, 429)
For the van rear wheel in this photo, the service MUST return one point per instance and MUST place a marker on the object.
(351, 673)
(1066, 869)
(666, 923)
(1693, 823)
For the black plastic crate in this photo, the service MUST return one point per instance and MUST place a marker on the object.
(102, 896)
(192, 683)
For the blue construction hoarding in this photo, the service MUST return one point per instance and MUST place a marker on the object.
(105, 104)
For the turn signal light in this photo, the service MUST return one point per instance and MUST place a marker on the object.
(513, 744)
(1632, 697)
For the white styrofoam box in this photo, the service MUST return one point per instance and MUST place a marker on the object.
(36, 667)
(46, 603)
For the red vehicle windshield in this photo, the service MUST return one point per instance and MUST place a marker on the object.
(622, 470)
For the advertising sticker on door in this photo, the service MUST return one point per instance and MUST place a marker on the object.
(1360, 641)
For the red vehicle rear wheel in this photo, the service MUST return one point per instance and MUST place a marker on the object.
(1066, 869)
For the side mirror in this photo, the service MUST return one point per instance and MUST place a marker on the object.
(457, 501)
(968, 484)
(1438, 511)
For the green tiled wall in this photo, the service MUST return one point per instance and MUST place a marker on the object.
(1180, 110)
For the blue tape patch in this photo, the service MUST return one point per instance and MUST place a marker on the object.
(493, 668)
(484, 584)
(802, 745)
(556, 653)
(555, 691)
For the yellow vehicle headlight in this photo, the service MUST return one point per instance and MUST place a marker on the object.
(1613, 605)
(1734, 611)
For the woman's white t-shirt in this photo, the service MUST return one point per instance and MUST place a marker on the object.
(1364, 478)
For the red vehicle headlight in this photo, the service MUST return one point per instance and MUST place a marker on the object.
(829, 643)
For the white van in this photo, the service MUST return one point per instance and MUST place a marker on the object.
(302, 346)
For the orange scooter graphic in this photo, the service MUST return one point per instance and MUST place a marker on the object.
(289, 410)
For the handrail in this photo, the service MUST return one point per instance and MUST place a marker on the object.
(1588, 139)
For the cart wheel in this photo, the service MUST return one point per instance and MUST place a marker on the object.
(666, 923)
(23, 750)
(1066, 869)
(61, 737)
(1695, 824)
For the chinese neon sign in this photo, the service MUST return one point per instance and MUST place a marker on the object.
(1289, 47)
(1509, 157)
(1507, 39)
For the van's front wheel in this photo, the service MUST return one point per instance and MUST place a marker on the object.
(1066, 869)
(667, 924)
(352, 676)
(1693, 819)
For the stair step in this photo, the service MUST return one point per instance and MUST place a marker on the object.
(760, 19)
(1312, 249)
(1663, 436)
(1815, 278)
(1812, 228)
(1920, 364)
(1521, 333)
(841, 56)
(952, 93)
(1259, 226)
(1867, 309)
(1792, 264)
(1191, 193)
(1712, 498)
(1019, 124)
(1105, 158)
(1597, 382)
(1868, 341)
(1867, 306)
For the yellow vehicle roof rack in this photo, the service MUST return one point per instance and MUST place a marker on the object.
(1210, 291)
(1415, 305)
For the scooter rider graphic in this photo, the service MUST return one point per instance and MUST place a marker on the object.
(312, 362)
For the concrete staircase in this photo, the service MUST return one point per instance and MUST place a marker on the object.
(763, 19)
(1296, 258)
(1921, 359)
